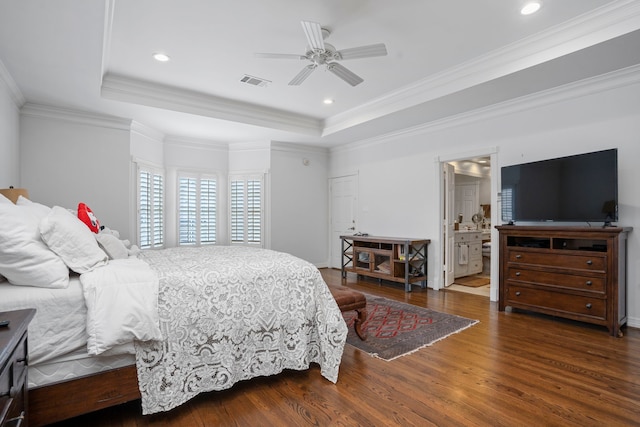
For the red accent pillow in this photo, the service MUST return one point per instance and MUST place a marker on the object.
(86, 215)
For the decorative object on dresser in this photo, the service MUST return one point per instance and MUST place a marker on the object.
(13, 367)
(386, 258)
(577, 273)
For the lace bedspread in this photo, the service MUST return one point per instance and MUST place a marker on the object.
(229, 314)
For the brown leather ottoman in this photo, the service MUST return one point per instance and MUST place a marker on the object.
(348, 300)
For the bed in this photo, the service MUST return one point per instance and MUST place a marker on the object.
(163, 326)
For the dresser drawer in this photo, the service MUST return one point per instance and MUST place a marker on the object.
(582, 262)
(522, 297)
(12, 384)
(573, 281)
(468, 237)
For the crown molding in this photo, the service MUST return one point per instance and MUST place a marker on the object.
(14, 90)
(249, 146)
(609, 81)
(123, 88)
(75, 116)
(291, 147)
(195, 143)
(146, 131)
(609, 21)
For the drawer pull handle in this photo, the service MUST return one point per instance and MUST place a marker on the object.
(518, 293)
(517, 273)
(518, 256)
(589, 283)
(17, 420)
(588, 306)
(589, 262)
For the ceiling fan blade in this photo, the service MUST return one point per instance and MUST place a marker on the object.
(279, 56)
(313, 31)
(345, 74)
(302, 75)
(368, 51)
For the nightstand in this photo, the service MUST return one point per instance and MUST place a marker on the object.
(13, 368)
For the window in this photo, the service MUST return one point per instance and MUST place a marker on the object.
(507, 202)
(197, 205)
(150, 208)
(246, 204)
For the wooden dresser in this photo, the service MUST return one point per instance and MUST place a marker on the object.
(577, 273)
(13, 368)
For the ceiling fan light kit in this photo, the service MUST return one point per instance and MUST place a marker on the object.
(321, 53)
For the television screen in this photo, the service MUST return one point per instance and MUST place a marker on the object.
(580, 188)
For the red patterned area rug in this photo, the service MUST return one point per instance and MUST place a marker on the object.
(395, 329)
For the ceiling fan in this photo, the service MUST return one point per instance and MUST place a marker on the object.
(321, 53)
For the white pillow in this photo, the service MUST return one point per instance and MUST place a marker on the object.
(38, 210)
(72, 240)
(24, 259)
(122, 304)
(4, 200)
(113, 246)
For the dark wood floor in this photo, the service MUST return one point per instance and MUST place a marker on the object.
(511, 369)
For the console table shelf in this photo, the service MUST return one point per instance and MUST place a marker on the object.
(386, 258)
(577, 273)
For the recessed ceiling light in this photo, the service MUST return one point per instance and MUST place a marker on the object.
(161, 57)
(328, 101)
(530, 7)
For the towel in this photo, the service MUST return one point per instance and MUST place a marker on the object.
(463, 255)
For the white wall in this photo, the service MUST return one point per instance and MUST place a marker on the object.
(9, 135)
(299, 202)
(70, 157)
(399, 186)
(194, 156)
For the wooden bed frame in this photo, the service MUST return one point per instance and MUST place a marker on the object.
(67, 399)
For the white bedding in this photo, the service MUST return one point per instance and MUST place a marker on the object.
(233, 313)
(226, 314)
(122, 304)
(78, 364)
(59, 326)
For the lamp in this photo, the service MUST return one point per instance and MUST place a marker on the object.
(13, 193)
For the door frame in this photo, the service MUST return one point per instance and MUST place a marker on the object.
(331, 247)
(495, 209)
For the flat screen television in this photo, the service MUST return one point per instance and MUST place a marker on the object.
(579, 188)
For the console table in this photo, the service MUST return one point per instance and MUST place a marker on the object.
(386, 258)
(577, 273)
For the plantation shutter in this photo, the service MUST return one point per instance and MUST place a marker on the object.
(158, 210)
(254, 211)
(237, 211)
(197, 210)
(507, 201)
(187, 228)
(246, 204)
(208, 197)
(150, 209)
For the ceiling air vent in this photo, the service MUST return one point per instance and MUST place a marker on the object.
(254, 81)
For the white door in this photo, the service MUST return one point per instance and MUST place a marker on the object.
(469, 201)
(344, 197)
(448, 193)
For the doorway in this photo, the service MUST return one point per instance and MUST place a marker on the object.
(343, 199)
(469, 199)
